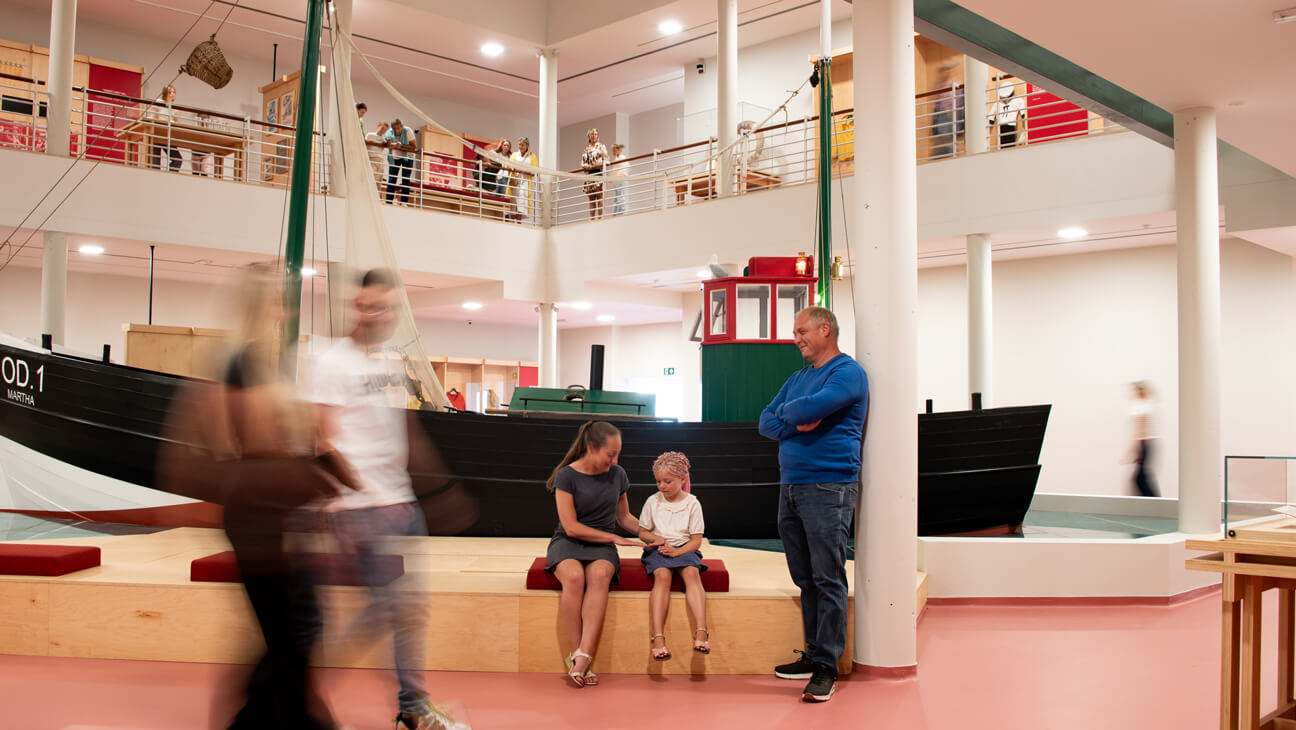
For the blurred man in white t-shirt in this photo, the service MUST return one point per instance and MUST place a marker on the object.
(373, 438)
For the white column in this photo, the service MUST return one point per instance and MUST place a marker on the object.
(886, 219)
(1197, 245)
(825, 28)
(726, 91)
(548, 345)
(547, 144)
(62, 49)
(977, 76)
(980, 310)
(689, 369)
(53, 284)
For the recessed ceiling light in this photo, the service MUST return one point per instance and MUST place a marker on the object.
(581, 305)
(472, 305)
(606, 318)
(1071, 233)
(203, 262)
(669, 27)
(91, 249)
(308, 271)
(704, 274)
(492, 49)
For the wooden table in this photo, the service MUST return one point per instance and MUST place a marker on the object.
(701, 184)
(143, 134)
(1249, 568)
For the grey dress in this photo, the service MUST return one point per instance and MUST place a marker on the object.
(596, 497)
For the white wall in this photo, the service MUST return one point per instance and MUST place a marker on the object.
(634, 360)
(456, 338)
(654, 130)
(1074, 331)
(767, 72)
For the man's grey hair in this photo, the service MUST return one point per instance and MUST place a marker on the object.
(822, 315)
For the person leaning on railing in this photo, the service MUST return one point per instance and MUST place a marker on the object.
(376, 143)
(522, 180)
(161, 112)
(400, 161)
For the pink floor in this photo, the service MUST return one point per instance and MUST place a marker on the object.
(993, 667)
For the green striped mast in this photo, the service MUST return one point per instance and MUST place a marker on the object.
(299, 190)
(823, 254)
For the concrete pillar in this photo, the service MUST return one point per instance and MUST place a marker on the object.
(886, 226)
(62, 48)
(548, 345)
(726, 92)
(977, 76)
(1197, 246)
(980, 308)
(53, 298)
(547, 144)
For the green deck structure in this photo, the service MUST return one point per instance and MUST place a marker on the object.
(740, 378)
(594, 401)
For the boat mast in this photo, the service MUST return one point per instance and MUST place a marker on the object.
(299, 191)
(823, 256)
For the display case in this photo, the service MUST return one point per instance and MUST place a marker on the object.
(1260, 498)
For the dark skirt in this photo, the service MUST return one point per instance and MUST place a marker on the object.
(563, 548)
(652, 560)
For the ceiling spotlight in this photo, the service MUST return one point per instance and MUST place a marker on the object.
(472, 305)
(308, 271)
(605, 318)
(669, 27)
(91, 249)
(1284, 16)
(203, 262)
(1072, 233)
(581, 305)
(492, 49)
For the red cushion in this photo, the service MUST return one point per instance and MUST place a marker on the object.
(333, 569)
(46, 559)
(715, 579)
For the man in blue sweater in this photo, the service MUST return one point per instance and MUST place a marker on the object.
(818, 419)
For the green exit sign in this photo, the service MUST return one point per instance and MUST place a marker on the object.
(668, 371)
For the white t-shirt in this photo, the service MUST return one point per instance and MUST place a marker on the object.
(675, 521)
(370, 433)
(1141, 418)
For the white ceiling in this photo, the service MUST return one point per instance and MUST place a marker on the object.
(611, 58)
(1225, 54)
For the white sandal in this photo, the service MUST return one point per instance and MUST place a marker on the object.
(578, 678)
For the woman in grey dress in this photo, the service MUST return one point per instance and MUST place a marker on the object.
(590, 492)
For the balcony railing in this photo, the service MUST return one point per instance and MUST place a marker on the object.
(125, 130)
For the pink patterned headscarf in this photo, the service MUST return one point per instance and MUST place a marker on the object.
(674, 462)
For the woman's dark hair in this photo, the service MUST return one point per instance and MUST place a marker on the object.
(592, 435)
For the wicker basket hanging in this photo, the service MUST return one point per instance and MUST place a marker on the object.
(207, 64)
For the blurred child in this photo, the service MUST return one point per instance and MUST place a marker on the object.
(671, 523)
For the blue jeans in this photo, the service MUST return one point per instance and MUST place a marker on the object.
(363, 530)
(814, 523)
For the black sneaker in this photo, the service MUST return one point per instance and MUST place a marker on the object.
(802, 668)
(820, 688)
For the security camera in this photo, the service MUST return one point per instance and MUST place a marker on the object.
(701, 67)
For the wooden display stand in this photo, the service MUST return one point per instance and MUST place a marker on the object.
(477, 378)
(279, 112)
(189, 351)
(1249, 567)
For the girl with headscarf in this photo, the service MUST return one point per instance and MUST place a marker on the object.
(671, 523)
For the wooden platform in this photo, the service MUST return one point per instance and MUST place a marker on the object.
(140, 604)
